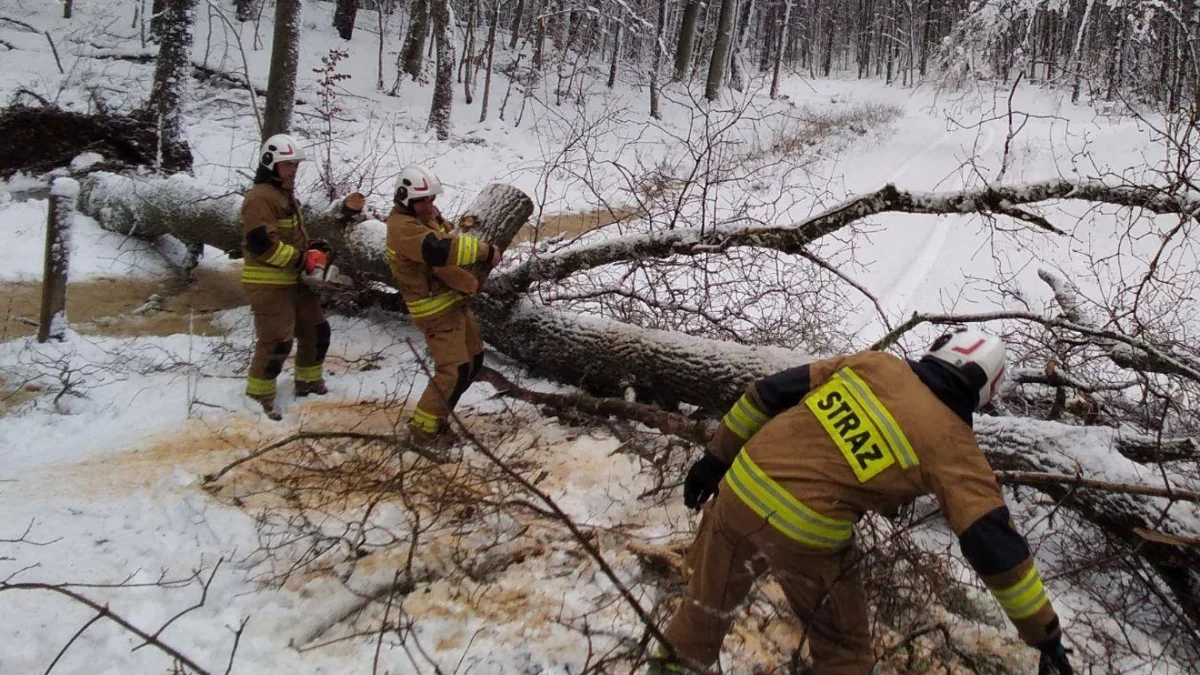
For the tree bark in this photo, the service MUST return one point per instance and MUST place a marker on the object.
(61, 210)
(158, 10)
(493, 25)
(172, 73)
(413, 50)
(515, 28)
(720, 54)
(443, 86)
(343, 18)
(68, 8)
(285, 61)
(656, 67)
(783, 34)
(687, 39)
(737, 69)
(616, 53)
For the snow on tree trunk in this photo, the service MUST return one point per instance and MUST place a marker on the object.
(172, 73)
(779, 47)
(737, 69)
(148, 208)
(443, 85)
(53, 321)
(285, 59)
(413, 51)
(658, 54)
(687, 39)
(720, 54)
(158, 10)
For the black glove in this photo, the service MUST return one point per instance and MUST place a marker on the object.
(1054, 658)
(320, 245)
(702, 479)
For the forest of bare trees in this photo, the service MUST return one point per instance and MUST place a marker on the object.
(1135, 49)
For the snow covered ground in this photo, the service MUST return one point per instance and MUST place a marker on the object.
(107, 476)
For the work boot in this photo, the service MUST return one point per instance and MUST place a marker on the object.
(432, 445)
(268, 406)
(306, 388)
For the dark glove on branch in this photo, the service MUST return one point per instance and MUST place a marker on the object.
(1054, 658)
(702, 480)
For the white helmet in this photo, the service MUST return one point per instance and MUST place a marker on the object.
(976, 355)
(416, 182)
(280, 148)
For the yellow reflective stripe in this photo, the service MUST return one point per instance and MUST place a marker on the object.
(851, 428)
(259, 386)
(424, 421)
(426, 307)
(287, 223)
(270, 275)
(901, 448)
(391, 254)
(783, 511)
(1024, 598)
(744, 419)
(468, 250)
(309, 373)
(282, 256)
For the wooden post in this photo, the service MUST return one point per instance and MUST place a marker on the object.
(53, 321)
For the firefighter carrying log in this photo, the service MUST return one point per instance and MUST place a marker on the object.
(805, 453)
(429, 264)
(279, 256)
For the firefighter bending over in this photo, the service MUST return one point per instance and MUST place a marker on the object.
(805, 453)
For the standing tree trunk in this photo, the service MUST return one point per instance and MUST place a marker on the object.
(53, 319)
(443, 85)
(515, 29)
(687, 39)
(1077, 57)
(158, 9)
(245, 9)
(68, 8)
(539, 38)
(172, 72)
(285, 60)
(414, 43)
(782, 40)
(658, 54)
(464, 74)
(616, 54)
(716, 66)
(493, 25)
(737, 70)
(343, 18)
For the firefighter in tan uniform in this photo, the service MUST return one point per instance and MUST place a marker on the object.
(805, 453)
(277, 251)
(428, 263)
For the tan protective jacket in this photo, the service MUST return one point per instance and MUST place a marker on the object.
(273, 237)
(825, 443)
(428, 262)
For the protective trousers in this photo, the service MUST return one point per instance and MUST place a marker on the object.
(282, 313)
(457, 350)
(733, 547)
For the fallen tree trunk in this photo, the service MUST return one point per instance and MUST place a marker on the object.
(611, 357)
